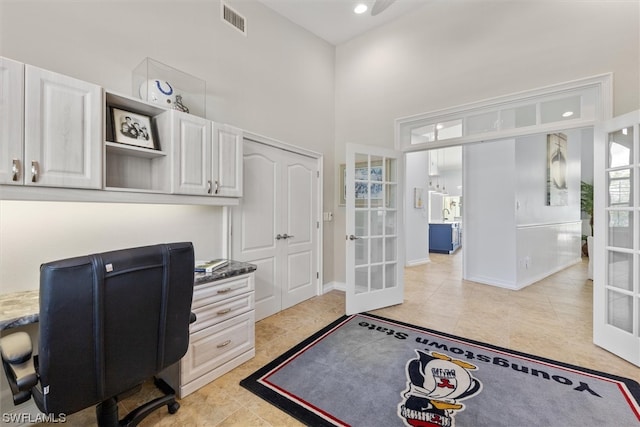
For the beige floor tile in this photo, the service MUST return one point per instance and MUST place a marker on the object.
(551, 318)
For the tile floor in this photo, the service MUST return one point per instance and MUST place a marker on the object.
(551, 318)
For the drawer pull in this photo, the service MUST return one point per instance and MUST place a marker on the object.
(15, 169)
(34, 171)
(224, 344)
(224, 291)
(221, 312)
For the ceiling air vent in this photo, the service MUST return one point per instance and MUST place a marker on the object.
(233, 18)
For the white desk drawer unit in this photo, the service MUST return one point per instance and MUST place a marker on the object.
(223, 335)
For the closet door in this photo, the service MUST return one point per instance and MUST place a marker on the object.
(275, 226)
(299, 214)
(256, 223)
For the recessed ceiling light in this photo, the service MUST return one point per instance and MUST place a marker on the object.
(360, 8)
(567, 114)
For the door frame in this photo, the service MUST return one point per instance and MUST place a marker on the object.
(600, 86)
(274, 143)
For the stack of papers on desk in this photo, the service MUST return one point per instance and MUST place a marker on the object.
(209, 266)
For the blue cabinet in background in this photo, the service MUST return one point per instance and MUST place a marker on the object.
(444, 238)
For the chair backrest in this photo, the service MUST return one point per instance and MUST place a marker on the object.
(110, 321)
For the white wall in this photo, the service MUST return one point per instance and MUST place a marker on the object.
(36, 232)
(489, 239)
(451, 53)
(416, 219)
(512, 238)
(548, 237)
(278, 81)
(531, 166)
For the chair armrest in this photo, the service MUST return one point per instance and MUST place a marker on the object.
(16, 350)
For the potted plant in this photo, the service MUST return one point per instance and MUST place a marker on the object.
(586, 206)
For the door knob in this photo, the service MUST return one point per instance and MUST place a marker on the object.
(352, 237)
(287, 236)
(279, 236)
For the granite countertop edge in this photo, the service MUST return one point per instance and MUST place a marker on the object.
(22, 308)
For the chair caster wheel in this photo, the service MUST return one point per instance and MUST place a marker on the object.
(173, 407)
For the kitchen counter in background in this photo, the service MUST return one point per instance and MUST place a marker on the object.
(444, 237)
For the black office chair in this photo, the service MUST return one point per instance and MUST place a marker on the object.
(108, 323)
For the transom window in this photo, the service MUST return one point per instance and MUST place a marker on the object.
(565, 106)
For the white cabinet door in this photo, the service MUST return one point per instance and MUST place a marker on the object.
(227, 161)
(191, 140)
(275, 226)
(63, 131)
(11, 121)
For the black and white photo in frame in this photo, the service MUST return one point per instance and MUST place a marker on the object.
(132, 128)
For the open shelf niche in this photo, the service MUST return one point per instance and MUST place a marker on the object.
(130, 167)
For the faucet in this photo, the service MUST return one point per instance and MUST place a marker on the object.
(443, 211)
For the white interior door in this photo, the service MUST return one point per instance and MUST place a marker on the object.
(375, 260)
(256, 223)
(616, 262)
(300, 228)
(275, 226)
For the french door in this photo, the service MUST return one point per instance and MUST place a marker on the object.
(616, 284)
(375, 260)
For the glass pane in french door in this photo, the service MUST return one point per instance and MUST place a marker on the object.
(621, 283)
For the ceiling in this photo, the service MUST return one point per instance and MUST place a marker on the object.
(334, 20)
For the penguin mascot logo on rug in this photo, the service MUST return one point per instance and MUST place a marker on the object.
(435, 385)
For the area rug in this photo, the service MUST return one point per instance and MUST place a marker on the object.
(366, 370)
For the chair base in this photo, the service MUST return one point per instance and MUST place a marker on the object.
(107, 411)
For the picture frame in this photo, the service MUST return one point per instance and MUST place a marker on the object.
(557, 163)
(361, 172)
(133, 129)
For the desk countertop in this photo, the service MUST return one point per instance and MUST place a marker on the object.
(22, 308)
(19, 308)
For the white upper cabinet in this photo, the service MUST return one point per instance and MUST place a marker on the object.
(227, 161)
(62, 132)
(191, 142)
(11, 121)
(206, 156)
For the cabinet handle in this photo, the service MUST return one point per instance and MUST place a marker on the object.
(224, 344)
(217, 188)
(34, 171)
(15, 170)
(224, 291)
(221, 312)
(209, 187)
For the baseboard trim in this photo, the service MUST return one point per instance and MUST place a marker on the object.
(334, 286)
(415, 262)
